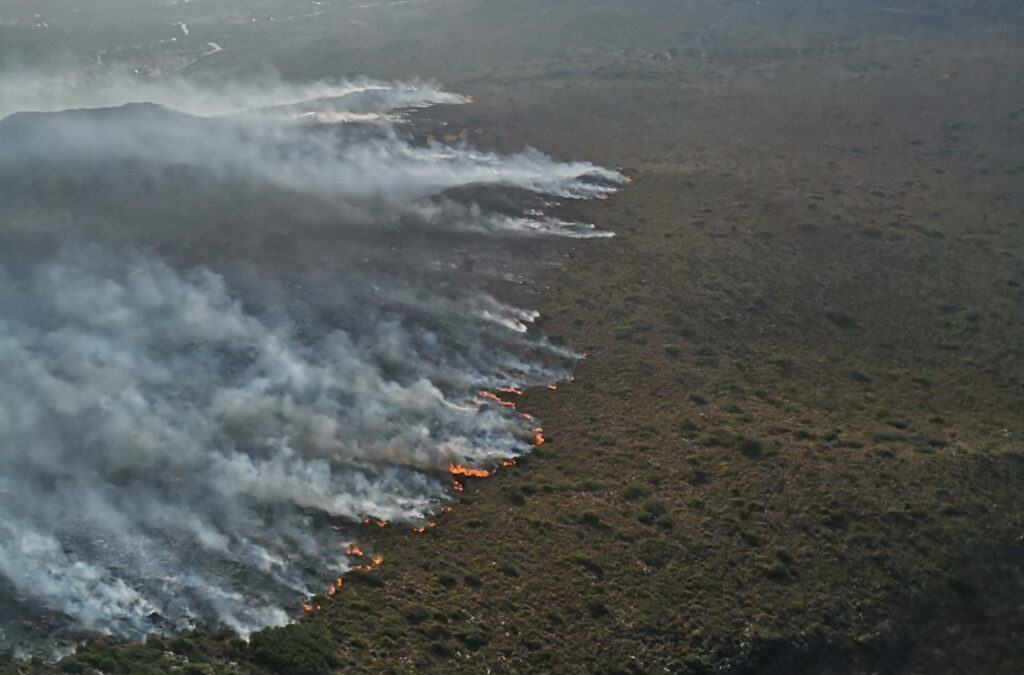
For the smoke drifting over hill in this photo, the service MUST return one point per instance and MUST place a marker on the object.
(229, 328)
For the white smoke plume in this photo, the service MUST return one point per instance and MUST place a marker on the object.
(54, 91)
(226, 333)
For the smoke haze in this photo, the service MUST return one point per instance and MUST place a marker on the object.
(235, 320)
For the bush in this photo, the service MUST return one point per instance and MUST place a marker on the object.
(300, 649)
(751, 447)
(633, 492)
(593, 520)
(416, 614)
(473, 640)
(585, 561)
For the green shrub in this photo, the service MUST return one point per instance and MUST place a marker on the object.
(299, 649)
(416, 614)
(751, 447)
(633, 492)
(585, 561)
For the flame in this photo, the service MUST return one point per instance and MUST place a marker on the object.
(553, 387)
(354, 551)
(331, 591)
(459, 470)
(515, 391)
(505, 463)
(338, 583)
(308, 608)
(429, 526)
(374, 521)
(538, 436)
(457, 486)
(377, 560)
(491, 396)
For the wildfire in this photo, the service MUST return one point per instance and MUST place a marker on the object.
(457, 486)
(491, 396)
(373, 521)
(538, 436)
(459, 470)
(553, 387)
(505, 463)
(308, 608)
(354, 551)
(515, 391)
(429, 526)
(377, 560)
(333, 590)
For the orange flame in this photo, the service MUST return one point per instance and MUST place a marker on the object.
(338, 583)
(538, 436)
(553, 387)
(374, 521)
(515, 391)
(491, 396)
(459, 470)
(354, 551)
(331, 591)
(457, 486)
(377, 560)
(505, 463)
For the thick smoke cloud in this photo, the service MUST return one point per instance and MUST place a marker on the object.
(230, 329)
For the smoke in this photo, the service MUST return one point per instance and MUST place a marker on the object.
(229, 330)
(51, 91)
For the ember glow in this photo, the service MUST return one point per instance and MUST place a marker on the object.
(233, 331)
